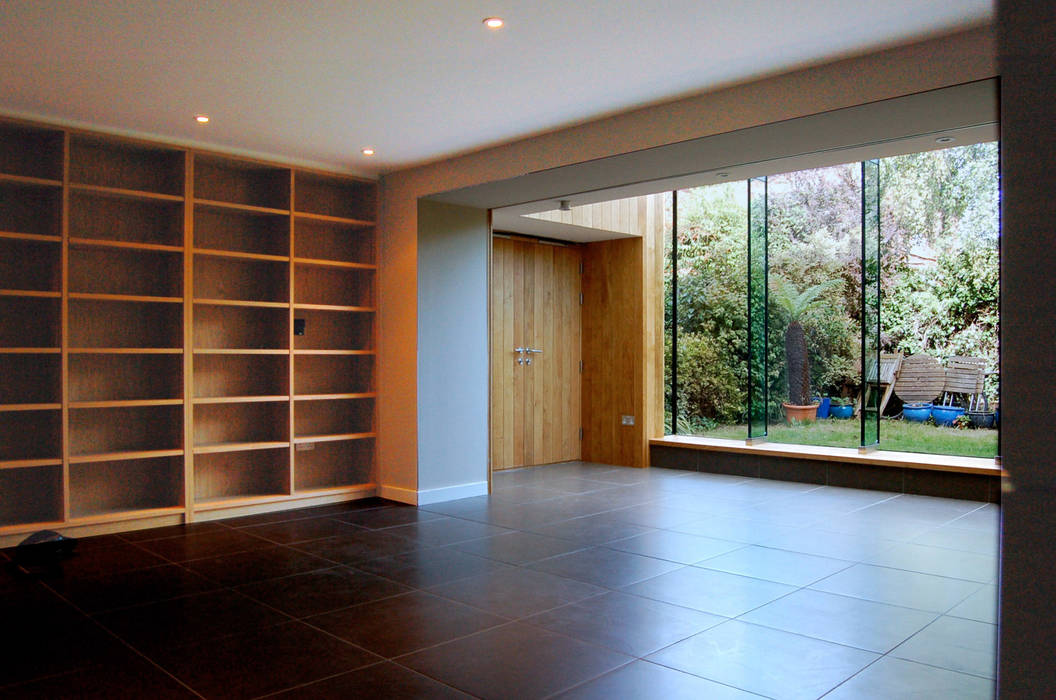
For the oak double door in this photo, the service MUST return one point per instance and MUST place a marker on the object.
(535, 352)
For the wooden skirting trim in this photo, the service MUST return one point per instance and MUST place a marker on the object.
(906, 460)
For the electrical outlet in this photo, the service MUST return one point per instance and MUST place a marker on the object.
(626, 420)
(304, 446)
(299, 325)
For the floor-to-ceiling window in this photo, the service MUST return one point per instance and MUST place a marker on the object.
(862, 292)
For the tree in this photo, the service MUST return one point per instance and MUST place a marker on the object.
(796, 304)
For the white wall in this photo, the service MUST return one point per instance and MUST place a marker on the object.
(453, 248)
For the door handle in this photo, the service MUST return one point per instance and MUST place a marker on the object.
(533, 350)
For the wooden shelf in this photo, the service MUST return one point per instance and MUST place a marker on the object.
(239, 255)
(240, 399)
(31, 153)
(147, 221)
(326, 218)
(332, 438)
(333, 352)
(126, 403)
(123, 274)
(124, 456)
(123, 164)
(331, 397)
(244, 208)
(217, 447)
(43, 238)
(314, 262)
(113, 408)
(122, 193)
(26, 180)
(12, 407)
(29, 463)
(104, 378)
(239, 351)
(126, 351)
(126, 245)
(29, 294)
(247, 304)
(335, 307)
(125, 297)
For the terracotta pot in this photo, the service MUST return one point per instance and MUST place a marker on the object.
(801, 414)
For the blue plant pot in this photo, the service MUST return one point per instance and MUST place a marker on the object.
(823, 407)
(945, 415)
(916, 412)
(842, 412)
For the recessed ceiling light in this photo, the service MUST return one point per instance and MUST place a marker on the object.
(494, 22)
(945, 139)
(368, 151)
(723, 174)
(201, 118)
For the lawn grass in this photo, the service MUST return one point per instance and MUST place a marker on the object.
(895, 435)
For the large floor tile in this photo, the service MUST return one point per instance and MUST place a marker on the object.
(956, 644)
(207, 544)
(939, 561)
(675, 546)
(709, 591)
(765, 661)
(126, 675)
(361, 546)
(293, 531)
(605, 567)
(514, 661)
(126, 588)
(382, 681)
(962, 539)
(320, 591)
(516, 592)
(262, 661)
(381, 518)
(778, 565)
(849, 621)
(518, 547)
(394, 626)
(643, 679)
(189, 620)
(441, 531)
(625, 623)
(430, 567)
(908, 589)
(257, 565)
(980, 606)
(591, 529)
(894, 678)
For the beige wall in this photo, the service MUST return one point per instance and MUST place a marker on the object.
(928, 65)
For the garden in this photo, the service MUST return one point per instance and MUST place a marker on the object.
(939, 274)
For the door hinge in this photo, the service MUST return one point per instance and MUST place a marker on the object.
(581, 433)
(581, 267)
(581, 298)
(581, 366)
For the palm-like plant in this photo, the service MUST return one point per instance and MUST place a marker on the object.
(796, 304)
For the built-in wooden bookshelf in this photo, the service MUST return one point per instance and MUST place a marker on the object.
(181, 333)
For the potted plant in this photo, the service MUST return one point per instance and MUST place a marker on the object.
(944, 416)
(824, 402)
(842, 408)
(797, 362)
(916, 412)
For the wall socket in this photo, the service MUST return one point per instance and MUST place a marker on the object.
(626, 420)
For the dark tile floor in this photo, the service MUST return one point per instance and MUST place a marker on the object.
(572, 580)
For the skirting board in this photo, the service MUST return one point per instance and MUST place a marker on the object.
(428, 496)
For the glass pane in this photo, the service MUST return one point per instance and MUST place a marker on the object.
(712, 319)
(871, 379)
(757, 305)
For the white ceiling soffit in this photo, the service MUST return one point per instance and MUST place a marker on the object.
(417, 80)
(969, 113)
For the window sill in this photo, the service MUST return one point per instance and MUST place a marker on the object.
(906, 460)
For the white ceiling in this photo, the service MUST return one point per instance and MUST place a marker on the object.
(314, 82)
